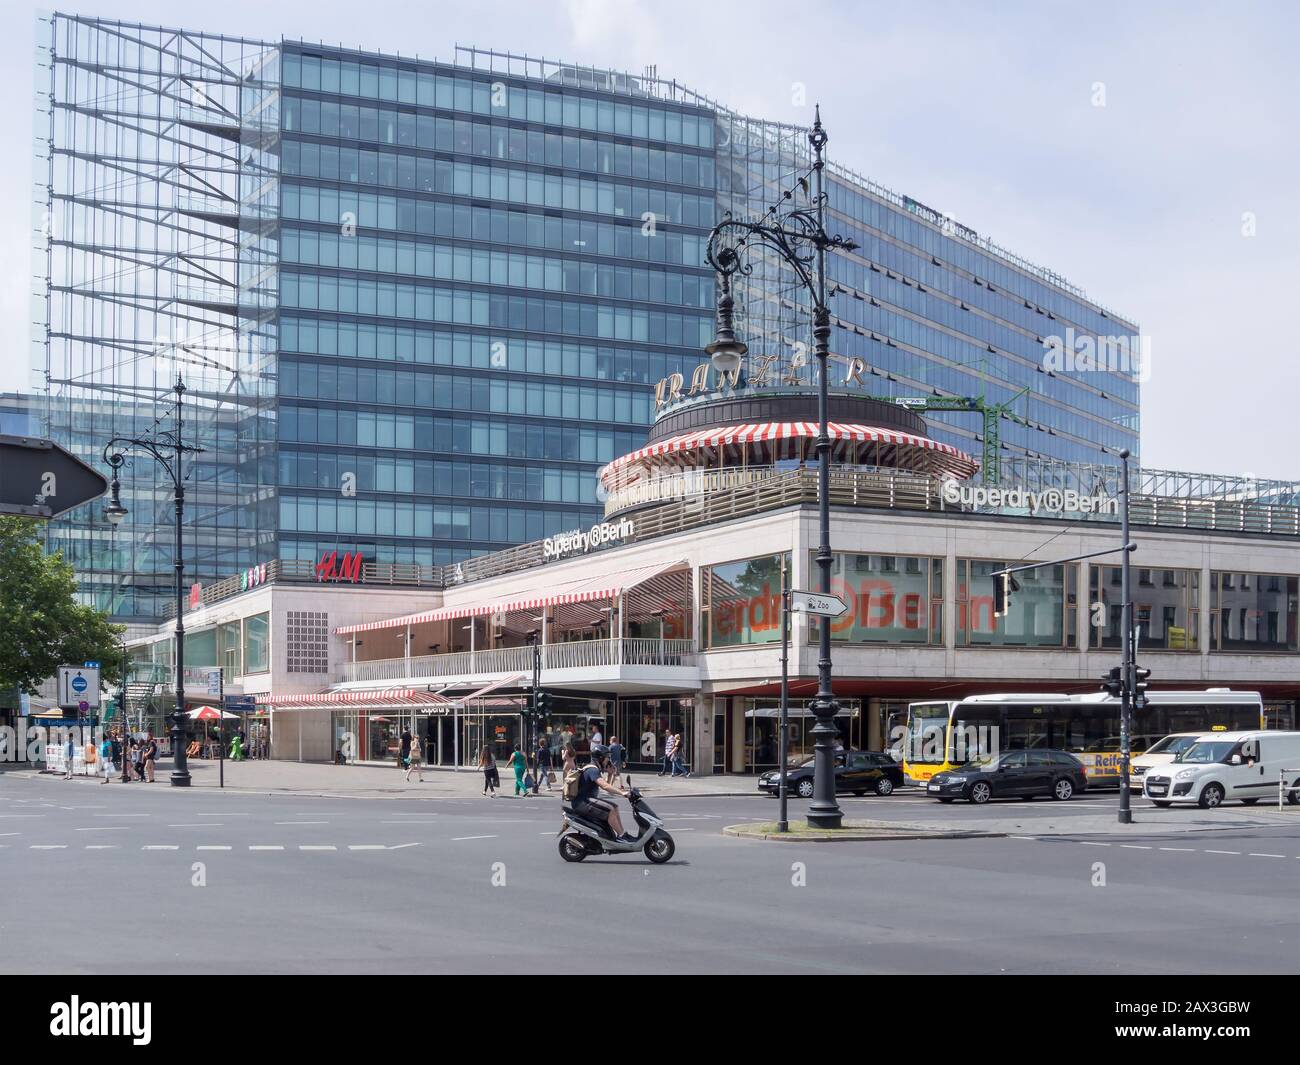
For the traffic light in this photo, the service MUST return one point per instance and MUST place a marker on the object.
(1140, 687)
(1113, 682)
(1003, 585)
(542, 704)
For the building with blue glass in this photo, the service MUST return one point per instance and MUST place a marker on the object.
(419, 305)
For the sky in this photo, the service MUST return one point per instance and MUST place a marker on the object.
(1147, 151)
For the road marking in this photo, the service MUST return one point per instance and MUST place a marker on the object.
(31, 815)
(1254, 855)
(199, 824)
(160, 847)
(458, 839)
(265, 847)
(302, 822)
(366, 847)
(48, 846)
(1088, 843)
(10, 833)
(317, 847)
(1135, 846)
(1030, 838)
(106, 828)
(1223, 852)
(402, 846)
(212, 847)
(102, 847)
(1191, 849)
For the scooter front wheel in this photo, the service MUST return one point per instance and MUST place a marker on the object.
(660, 848)
(571, 848)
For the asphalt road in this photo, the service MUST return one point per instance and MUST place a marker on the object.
(149, 879)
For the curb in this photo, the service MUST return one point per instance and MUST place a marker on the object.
(851, 836)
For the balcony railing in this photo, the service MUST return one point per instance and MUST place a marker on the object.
(580, 654)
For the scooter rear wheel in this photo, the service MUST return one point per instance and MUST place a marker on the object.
(571, 849)
(660, 848)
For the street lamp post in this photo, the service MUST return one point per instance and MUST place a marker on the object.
(798, 236)
(115, 456)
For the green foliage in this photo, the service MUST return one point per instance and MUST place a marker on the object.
(42, 626)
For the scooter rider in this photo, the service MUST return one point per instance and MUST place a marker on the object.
(587, 804)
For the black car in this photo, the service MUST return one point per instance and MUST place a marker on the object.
(1015, 774)
(855, 771)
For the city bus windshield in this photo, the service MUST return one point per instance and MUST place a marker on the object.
(1174, 745)
(927, 726)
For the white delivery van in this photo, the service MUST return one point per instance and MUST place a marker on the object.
(1226, 765)
(1162, 752)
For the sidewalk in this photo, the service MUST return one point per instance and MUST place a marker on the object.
(384, 781)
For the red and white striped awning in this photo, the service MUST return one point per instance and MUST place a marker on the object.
(575, 590)
(939, 456)
(411, 698)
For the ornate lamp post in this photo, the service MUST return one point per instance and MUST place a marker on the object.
(798, 235)
(114, 456)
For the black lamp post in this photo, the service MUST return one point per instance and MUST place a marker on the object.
(114, 456)
(798, 235)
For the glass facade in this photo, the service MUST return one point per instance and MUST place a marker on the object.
(436, 298)
(742, 602)
(1166, 607)
(896, 599)
(1255, 612)
(1040, 616)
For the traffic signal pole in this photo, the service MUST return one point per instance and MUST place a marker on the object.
(1128, 664)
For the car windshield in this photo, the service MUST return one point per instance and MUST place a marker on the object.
(1171, 745)
(982, 761)
(1205, 751)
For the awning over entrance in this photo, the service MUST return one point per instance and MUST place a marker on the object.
(571, 593)
(852, 443)
(385, 699)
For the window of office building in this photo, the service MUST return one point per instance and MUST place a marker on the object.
(1166, 607)
(1041, 613)
(1255, 612)
(891, 598)
(228, 647)
(257, 643)
(742, 602)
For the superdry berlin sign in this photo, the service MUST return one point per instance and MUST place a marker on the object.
(1051, 500)
(580, 541)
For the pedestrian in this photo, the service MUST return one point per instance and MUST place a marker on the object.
(488, 763)
(137, 759)
(542, 766)
(69, 754)
(616, 755)
(148, 756)
(415, 761)
(679, 756)
(597, 740)
(519, 764)
(404, 755)
(106, 758)
(570, 762)
(670, 750)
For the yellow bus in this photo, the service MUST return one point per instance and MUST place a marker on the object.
(944, 735)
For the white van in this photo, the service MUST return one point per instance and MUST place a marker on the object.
(1226, 765)
(1162, 752)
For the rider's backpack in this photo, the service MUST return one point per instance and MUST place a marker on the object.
(572, 779)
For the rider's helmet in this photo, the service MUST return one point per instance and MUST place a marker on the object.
(599, 752)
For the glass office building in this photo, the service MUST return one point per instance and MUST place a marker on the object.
(419, 304)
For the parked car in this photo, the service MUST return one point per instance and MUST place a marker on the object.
(1227, 765)
(1013, 774)
(1162, 752)
(855, 771)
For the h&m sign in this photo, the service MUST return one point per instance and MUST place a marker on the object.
(332, 568)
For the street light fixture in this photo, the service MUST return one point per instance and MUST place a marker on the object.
(798, 236)
(159, 446)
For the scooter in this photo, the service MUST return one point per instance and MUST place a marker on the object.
(581, 836)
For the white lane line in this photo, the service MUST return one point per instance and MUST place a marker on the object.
(10, 833)
(106, 828)
(265, 847)
(402, 846)
(212, 847)
(10, 816)
(1135, 846)
(317, 847)
(1191, 850)
(1089, 843)
(160, 847)
(1252, 854)
(1223, 852)
(302, 822)
(458, 839)
(199, 824)
(47, 847)
(102, 847)
(1030, 838)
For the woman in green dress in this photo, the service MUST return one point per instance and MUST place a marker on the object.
(519, 764)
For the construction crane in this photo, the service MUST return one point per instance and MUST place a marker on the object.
(992, 413)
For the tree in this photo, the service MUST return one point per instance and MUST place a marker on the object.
(42, 626)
